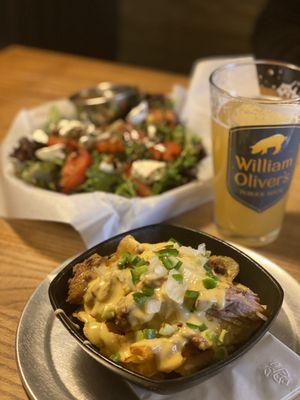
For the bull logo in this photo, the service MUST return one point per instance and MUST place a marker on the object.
(274, 142)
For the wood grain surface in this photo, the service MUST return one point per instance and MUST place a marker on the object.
(29, 250)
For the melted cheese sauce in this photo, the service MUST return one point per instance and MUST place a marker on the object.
(110, 296)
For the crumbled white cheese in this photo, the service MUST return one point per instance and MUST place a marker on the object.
(149, 143)
(134, 135)
(151, 130)
(106, 167)
(160, 147)
(65, 126)
(40, 136)
(90, 129)
(148, 171)
(50, 153)
(89, 139)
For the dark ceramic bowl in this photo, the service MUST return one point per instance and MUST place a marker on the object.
(251, 274)
(105, 102)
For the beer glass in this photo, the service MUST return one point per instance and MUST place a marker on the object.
(255, 133)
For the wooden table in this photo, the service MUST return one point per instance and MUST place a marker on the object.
(29, 250)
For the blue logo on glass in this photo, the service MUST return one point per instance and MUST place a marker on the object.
(261, 161)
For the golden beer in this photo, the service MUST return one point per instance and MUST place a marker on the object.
(255, 144)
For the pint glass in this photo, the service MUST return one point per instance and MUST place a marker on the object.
(255, 132)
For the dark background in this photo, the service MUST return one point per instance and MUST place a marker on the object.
(165, 34)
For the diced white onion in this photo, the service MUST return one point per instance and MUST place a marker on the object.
(202, 260)
(156, 267)
(175, 290)
(167, 330)
(202, 248)
(152, 306)
(189, 251)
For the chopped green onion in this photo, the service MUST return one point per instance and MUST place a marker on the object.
(192, 326)
(108, 314)
(170, 262)
(213, 337)
(148, 291)
(128, 259)
(174, 241)
(192, 294)
(190, 298)
(115, 357)
(178, 265)
(200, 328)
(137, 272)
(150, 333)
(139, 335)
(124, 260)
(209, 272)
(168, 251)
(178, 277)
(138, 261)
(140, 298)
(222, 335)
(209, 283)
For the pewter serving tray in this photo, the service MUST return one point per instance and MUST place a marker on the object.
(54, 367)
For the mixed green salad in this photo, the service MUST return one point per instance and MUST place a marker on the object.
(146, 153)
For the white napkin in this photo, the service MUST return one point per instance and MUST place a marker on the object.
(98, 216)
(269, 371)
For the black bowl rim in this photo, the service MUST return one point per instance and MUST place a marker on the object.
(207, 371)
(77, 98)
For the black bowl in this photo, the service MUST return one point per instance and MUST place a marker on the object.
(105, 102)
(251, 274)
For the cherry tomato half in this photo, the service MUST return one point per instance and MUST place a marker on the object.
(74, 169)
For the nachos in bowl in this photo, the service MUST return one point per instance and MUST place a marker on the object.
(163, 309)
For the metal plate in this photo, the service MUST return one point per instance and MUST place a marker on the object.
(53, 366)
